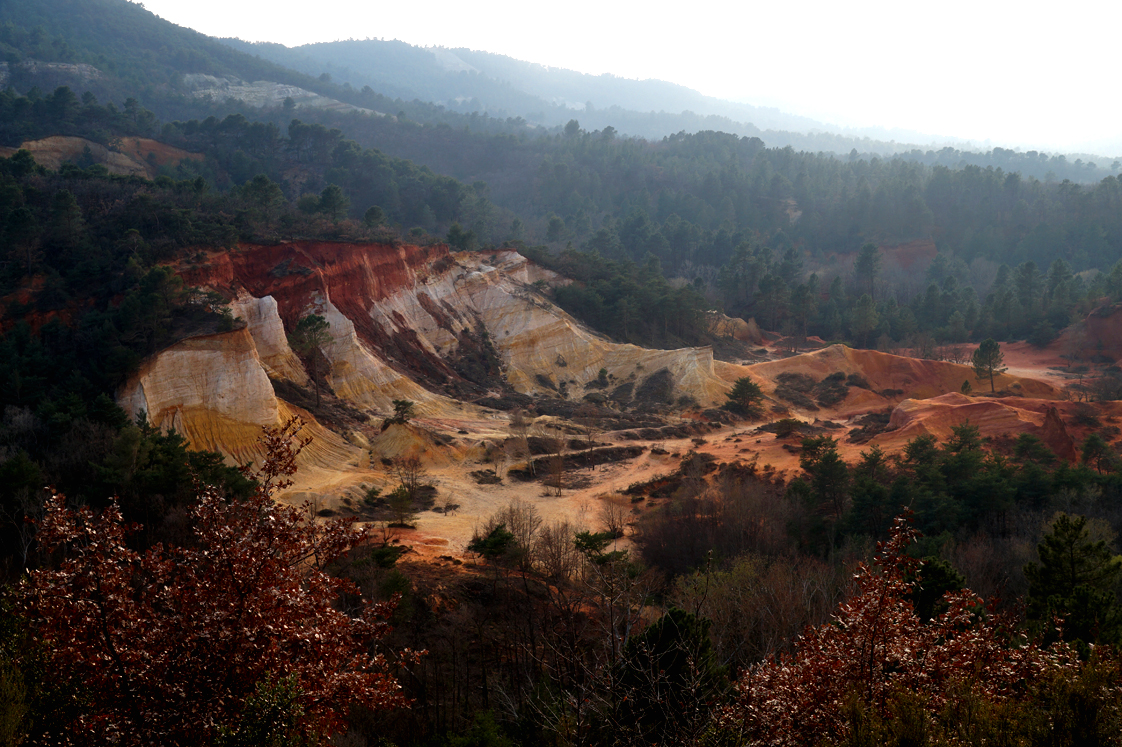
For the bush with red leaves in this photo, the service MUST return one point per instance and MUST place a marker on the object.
(164, 647)
(876, 649)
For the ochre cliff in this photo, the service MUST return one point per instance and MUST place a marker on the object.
(269, 339)
(400, 317)
(208, 388)
(215, 391)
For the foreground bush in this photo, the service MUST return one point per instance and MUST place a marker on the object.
(183, 645)
(877, 673)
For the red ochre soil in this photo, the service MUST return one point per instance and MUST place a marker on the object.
(353, 276)
(153, 153)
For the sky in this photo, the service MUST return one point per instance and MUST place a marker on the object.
(1017, 74)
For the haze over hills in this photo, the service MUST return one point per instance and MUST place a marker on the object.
(469, 80)
(159, 54)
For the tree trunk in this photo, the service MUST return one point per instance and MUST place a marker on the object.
(315, 375)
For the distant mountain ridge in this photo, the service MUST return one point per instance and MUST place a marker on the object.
(467, 80)
(470, 81)
(117, 50)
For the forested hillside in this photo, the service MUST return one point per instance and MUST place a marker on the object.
(158, 595)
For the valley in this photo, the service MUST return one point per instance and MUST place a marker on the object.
(360, 393)
(471, 338)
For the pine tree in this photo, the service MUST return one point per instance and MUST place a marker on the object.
(987, 361)
(1075, 579)
(311, 333)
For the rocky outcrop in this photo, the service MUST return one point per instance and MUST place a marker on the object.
(212, 389)
(262, 94)
(1054, 433)
(80, 72)
(403, 319)
(720, 325)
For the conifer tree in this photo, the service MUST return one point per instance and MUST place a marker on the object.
(311, 333)
(1075, 579)
(987, 361)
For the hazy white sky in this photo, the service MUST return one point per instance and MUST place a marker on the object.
(1037, 75)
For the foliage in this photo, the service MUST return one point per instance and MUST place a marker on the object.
(987, 361)
(632, 302)
(668, 677)
(497, 544)
(484, 732)
(745, 397)
(271, 717)
(311, 333)
(1075, 580)
(876, 648)
(400, 503)
(171, 644)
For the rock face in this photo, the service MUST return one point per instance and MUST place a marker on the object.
(448, 330)
(405, 322)
(420, 323)
(211, 389)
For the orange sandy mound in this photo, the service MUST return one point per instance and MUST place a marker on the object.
(1099, 334)
(734, 327)
(1010, 415)
(911, 377)
(132, 156)
(399, 440)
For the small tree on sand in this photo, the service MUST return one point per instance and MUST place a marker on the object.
(410, 472)
(745, 398)
(404, 410)
(311, 334)
(987, 361)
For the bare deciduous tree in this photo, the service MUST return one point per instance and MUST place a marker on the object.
(410, 472)
(613, 516)
(556, 555)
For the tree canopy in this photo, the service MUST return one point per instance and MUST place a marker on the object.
(987, 361)
(170, 645)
